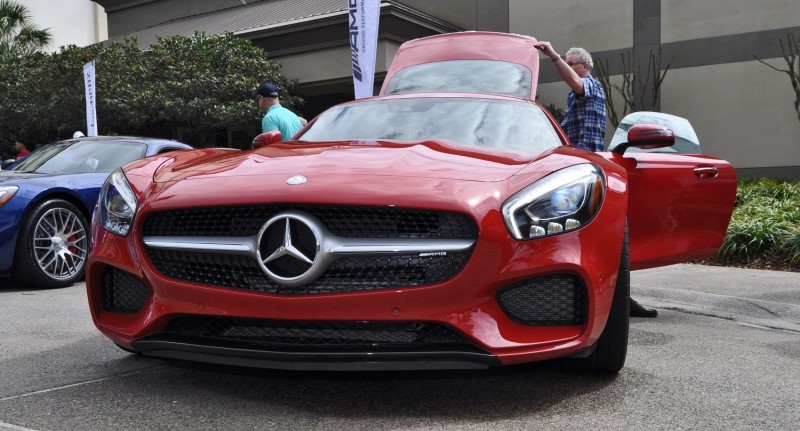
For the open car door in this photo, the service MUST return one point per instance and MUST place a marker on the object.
(680, 201)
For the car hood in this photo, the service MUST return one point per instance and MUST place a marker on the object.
(429, 159)
(9, 176)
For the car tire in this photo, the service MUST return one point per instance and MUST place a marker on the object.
(53, 245)
(611, 348)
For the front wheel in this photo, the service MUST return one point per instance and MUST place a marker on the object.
(611, 349)
(53, 245)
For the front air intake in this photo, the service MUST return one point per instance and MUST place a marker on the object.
(343, 336)
(545, 301)
(123, 292)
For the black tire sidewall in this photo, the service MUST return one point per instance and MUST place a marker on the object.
(612, 347)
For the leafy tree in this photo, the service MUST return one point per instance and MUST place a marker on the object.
(791, 55)
(17, 35)
(200, 83)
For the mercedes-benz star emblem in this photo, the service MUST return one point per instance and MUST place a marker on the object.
(296, 180)
(289, 248)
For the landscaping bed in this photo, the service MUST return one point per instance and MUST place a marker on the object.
(764, 232)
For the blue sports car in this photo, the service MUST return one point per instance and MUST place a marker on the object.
(46, 203)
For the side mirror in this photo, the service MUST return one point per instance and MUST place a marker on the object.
(267, 138)
(647, 136)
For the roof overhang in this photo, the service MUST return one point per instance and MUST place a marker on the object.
(285, 27)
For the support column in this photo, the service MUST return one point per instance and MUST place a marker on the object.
(646, 37)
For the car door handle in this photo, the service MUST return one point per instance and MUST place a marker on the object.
(706, 171)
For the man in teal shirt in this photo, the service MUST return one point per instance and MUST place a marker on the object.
(277, 117)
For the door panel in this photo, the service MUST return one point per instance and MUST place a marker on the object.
(679, 206)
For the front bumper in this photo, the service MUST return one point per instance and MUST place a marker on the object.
(467, 305)
(163, 347)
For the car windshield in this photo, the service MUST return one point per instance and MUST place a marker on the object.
(518, 128)
(472, 76)
(81, 157)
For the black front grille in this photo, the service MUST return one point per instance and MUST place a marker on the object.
(547, 301)
(311, 336)
(122, 292)
(348, 222)
(355, 274)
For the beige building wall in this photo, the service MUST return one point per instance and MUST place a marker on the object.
(695, 19)
(71, 22)
(742, 112)
(304, 66)
(595, 25)
(484, 15)
(741, 109)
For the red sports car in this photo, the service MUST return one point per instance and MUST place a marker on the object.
(447, 223)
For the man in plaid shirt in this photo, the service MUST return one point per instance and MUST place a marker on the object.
(585, 120)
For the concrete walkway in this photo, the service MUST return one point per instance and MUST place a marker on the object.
(756, 297)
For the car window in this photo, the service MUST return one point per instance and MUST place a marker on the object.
(518, 128)
(82, 157)
(471, 76)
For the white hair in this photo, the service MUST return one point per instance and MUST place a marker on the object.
(583, 56)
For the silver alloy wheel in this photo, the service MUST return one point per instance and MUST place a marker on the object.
(60, 243)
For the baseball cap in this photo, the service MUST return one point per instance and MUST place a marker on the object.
(267, 89)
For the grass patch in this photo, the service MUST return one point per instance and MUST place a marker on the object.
(765, 227)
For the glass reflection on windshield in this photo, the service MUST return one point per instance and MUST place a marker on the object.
(471, 76)
(82, 157)
(518, 128)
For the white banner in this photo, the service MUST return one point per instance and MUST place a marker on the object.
(364, 17)
(91, 111)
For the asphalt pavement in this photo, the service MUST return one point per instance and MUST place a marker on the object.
(724, 353)
(749, 296)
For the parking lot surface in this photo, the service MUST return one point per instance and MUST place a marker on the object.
(724, 353)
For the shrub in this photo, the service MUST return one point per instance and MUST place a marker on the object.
(791, 247)
(750, 237)
(765, 223)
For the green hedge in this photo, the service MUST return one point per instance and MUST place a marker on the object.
(201, 83)
(765, 223)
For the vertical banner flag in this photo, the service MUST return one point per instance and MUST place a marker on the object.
(91, 111)
(364, 17)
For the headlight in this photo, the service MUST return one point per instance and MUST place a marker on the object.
(117, 204)
(6, 193)
(558, 203)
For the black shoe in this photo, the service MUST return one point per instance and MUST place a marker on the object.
(637, 310)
